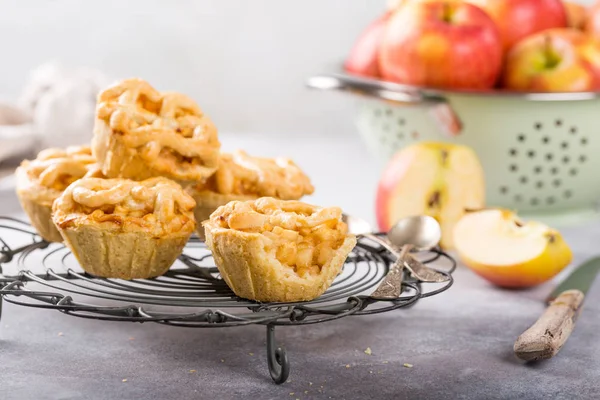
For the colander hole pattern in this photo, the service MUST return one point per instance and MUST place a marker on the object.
(541, 162)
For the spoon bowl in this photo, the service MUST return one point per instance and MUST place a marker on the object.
(356, 225)
(421, 231)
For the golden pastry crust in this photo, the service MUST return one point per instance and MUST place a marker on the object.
(118, 228)
(278, 251)
(141, 133)
(43, 180)
(243, 177)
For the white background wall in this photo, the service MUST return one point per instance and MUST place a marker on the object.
(244, 61)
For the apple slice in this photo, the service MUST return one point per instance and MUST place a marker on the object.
(508, 252)
(430, 178)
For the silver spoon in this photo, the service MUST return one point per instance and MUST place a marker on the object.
(419, 233)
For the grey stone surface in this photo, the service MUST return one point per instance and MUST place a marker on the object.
(459, 343)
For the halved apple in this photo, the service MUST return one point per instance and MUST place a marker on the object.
(508, 252)
(441, 180)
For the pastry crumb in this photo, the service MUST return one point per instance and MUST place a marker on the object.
(291, 393)
(222, 360)
(131, 338)
(347, 365)
(60, 334)
(385, 362)
(192, 371)
(309, 383)
(407, 365)
(368, 351)
(370, 372)
(306, 392)
(251, 354)
(124, 380)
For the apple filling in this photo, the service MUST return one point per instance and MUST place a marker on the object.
(300, 236)
(157, 205)
(241, 174)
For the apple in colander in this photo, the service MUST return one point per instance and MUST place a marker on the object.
(363, 59)
(441, 180)
(592, 21)
(508, 252)
(576, 14)
(517, 19)
(556, 60)
(442, 44)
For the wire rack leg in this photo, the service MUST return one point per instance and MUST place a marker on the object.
(279, 365)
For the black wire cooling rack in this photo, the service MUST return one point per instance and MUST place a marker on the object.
(35, 273)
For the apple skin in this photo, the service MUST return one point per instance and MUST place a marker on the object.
(592, 22)
(576, 56)
(430, 178)
(533, 272)
(576, 15)
(517, 19)
(441, 44)
(363, 59)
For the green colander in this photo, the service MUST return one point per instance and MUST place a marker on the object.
(539, 151)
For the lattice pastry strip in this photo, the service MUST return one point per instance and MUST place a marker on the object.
(141, 132)
(156, 203)
(57, 168)
(241, 174)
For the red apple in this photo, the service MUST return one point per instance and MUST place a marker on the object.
(556, 60)
(441, 180)
(576, 15)
(364, 56)
(592, 23)
(441, 44)
(517, 19)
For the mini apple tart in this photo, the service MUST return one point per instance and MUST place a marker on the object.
(41, 181)
(118, 228)
(243, 177)
(141, 133)
(273, 250)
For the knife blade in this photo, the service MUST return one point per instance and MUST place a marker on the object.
(545, 338)
(581, 278)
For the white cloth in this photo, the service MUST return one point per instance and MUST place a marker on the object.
(62, 102)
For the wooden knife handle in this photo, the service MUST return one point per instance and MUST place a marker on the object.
(547, 336)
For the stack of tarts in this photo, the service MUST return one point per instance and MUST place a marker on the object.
(154, 174)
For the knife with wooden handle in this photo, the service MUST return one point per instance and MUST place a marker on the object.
(548, 334)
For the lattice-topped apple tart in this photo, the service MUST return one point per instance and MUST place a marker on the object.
(119, 228)
(244, 177)
(43, 180)
(142, 133)
(274, 250)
